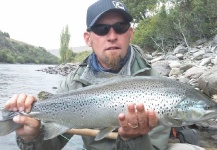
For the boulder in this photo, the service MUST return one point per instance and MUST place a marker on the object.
(194, 72)
(208, 81)
(162, 67)
(214, 41)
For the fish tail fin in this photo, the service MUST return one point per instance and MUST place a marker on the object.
(7, 125)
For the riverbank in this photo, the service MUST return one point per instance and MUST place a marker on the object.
(62, 69)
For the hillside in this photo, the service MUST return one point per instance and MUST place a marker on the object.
(13, 51)
(78, 49)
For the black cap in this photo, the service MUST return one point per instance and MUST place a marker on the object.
(102, 6)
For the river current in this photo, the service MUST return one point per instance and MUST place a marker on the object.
(16, 79)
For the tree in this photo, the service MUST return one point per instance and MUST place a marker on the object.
(6, 34)
(139, 8)
(185, 22)
(65, 52)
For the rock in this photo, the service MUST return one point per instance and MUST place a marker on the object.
(179, 56)
(193, 82)
(214, 49)
(62, 69)
(208, 81)
(148, 57)
(174, 72)
(185, 67)
(214, 61)
(198, 55)
(162, 67)
(214, 41)
(156, 54)
(180, 49)
(183, 79)
(193, 50)
(214, 137)
(201, 41)
(205, 61)
(170, 56)
(214, 97)
(194, 72)
(157, 59)
(174, 64)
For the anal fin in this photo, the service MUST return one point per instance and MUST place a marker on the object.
(104, 132)
(52, 130)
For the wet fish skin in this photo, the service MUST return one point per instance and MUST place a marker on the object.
(98, 106)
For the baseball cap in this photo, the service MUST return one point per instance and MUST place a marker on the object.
(100, 7)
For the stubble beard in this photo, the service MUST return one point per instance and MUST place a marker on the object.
(112, 61)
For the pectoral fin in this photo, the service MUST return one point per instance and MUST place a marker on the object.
(104, 132)
(52, 130)
(171, 122)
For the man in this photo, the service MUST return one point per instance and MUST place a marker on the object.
(109, 34)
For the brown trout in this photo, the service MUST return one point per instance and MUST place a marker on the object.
(98, 106)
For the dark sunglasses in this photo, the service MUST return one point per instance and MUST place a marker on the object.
(103, 29)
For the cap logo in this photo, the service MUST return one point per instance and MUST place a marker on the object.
(118, 5)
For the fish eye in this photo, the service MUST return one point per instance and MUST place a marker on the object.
(208, 107)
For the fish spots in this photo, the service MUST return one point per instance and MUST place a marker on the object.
(99, 104)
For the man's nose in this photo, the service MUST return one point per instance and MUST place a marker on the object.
(112, 34)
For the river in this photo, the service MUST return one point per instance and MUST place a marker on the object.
(16, 79)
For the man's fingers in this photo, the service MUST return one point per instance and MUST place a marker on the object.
(123, 121)
(153, 120)
(28, 121)
(124, 129)
(137, 122)
(28, 103)
(142, 116)
(11, 103)
(132, 116)
(30, 128)
(20, 102)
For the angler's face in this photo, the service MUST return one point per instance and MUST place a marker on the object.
(109, 47)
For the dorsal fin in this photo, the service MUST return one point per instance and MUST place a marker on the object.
(43, 95)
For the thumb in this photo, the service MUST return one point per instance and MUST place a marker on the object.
(25, 120)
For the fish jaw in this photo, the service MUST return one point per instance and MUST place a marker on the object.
(194, 115)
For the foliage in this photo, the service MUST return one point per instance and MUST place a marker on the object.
(79, 57)
(139, 8)
(66, 54)
(186, 22)
(12, 51)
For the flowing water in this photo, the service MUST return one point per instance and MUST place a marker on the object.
(15, 79)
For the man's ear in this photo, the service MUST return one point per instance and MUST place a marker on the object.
(131, 33)
(87, 38)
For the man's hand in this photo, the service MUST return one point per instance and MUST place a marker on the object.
(137, 122)
(31, 127)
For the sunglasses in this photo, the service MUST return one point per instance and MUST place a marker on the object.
(103, 29)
